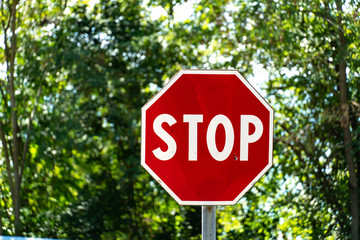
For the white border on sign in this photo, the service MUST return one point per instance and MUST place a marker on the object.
(162, 91)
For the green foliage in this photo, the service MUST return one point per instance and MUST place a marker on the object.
(108, 61)
(86, 72)
(298, 42)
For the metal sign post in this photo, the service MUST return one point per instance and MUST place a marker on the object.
(208, 217)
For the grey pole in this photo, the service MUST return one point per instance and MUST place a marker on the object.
(208, 217)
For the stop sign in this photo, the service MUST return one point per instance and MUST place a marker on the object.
(207, 137)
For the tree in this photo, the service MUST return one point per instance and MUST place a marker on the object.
(111, 59)
(309, 48)
(15, 171)
(23, 85)
(10, 131)
(79, 80)
(74, 78)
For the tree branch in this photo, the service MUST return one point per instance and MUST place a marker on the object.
(4, 97)
(323, 16)
(15, 130)
(15, 194)
(7, 156)
(5, 28)
(345, 125)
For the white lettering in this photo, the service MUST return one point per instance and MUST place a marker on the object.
(245, 138)
(193, 120)
(211, 140)
(170, 152)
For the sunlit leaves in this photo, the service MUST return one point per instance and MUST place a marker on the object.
(87, 70)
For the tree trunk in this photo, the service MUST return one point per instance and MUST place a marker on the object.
(16, 204)
(349, 153)
(345, 125)
(14, 126)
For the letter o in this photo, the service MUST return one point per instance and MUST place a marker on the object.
(211, 140)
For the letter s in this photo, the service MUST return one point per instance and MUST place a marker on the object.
(170, 152)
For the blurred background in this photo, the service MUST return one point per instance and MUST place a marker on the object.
(75, 74)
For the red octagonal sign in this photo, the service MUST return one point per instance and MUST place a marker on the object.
(207, 137)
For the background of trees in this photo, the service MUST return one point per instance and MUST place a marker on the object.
(73, 78)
